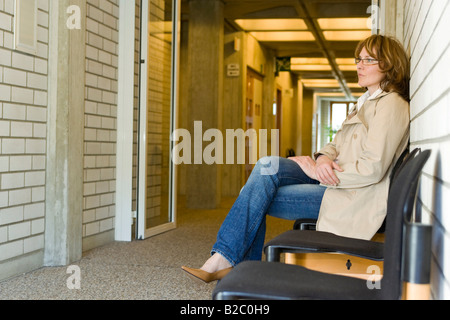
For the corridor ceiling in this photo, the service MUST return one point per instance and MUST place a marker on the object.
(321, 41)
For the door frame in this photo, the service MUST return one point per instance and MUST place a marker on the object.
(141, 231)
(125, 99)
(279, 119)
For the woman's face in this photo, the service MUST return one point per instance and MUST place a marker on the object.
(370, 76)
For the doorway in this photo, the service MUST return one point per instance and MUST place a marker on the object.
(156, 196)
(277, 112)
(253, 115)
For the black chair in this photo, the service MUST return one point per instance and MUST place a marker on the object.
(310, 224)
(274, 280)
(306, 239)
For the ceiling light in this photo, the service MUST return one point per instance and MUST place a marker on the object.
(347, 61)
(310, 64)
(344, 23)
(310, 67)
(321, 83)
(310, 61)
(326, 83)
(346, 64)
(347, 67)
(271, 24)
(283, 36)
(346, 35)
(321, 64)
(337, 94)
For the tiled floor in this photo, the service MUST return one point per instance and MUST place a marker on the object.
(148, 269)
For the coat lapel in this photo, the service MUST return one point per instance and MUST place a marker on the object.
(359, 117)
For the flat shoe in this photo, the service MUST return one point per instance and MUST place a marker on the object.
(205, 276)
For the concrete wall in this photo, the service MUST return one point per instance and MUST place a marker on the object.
(233, 104)
(304, 131)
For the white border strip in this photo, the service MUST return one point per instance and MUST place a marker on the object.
(125, 100)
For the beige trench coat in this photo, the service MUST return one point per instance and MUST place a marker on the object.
(366, 148)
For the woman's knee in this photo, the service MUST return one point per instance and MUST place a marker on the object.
(268, 165)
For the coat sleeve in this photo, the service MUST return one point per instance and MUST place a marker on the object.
(329, 150)
(389, 126)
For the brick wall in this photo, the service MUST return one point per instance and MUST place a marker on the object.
(23, 129)
(100, 119)
(426, 36)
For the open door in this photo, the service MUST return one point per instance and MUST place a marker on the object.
(253, 114)
(156, 205)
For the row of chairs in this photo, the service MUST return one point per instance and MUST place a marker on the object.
(404, 255)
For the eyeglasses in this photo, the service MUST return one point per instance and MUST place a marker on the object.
(367, 62)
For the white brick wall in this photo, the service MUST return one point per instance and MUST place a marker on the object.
(23, 117)
(100, 116)
(426, 35)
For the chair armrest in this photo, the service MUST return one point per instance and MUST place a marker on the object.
(305, 224)
(305, 241)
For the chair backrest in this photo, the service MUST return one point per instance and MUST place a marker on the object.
(401, 200)
(402, 160)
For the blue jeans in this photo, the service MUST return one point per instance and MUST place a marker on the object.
(283, 191)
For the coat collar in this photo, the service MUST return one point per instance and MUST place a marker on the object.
(368, 97)
(381, 95)
(359, 116)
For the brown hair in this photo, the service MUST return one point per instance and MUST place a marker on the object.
(394, 62)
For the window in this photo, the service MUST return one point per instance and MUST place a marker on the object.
(338, 114)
